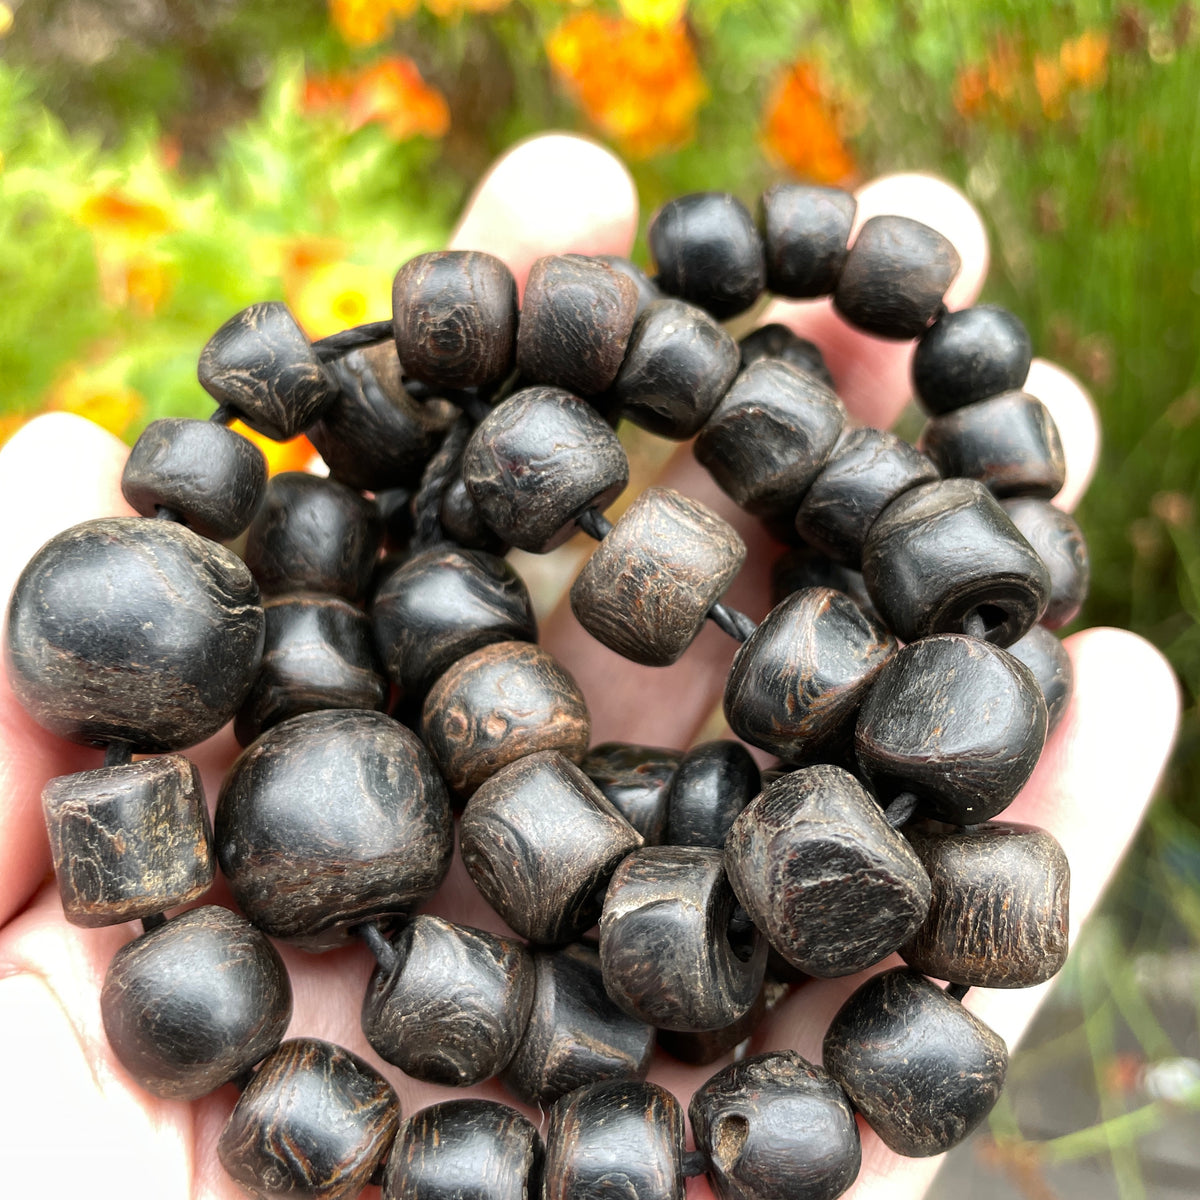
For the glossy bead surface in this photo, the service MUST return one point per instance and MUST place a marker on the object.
(899, 1034)
(209, 476)
(778, 341)
(636, 781)
(806, 231)
(957, 721)
(895, 276)
(1046, 656)
(463, 523)
(133, 630)
(820, 871)
(1060, 544)
(713, 783)
(192, 1004)
(315, 1121)
(775, 1127)
(945, 552)
(969, 355)
(129, 841)
(647, 588)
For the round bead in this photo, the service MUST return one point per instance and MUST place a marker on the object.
(708, 252)
(957, 721)
(540, 841)
(778, 341)
(945, 552)
(453, 1007)
(647, 289)
(192, 1004)
(805, 567)
(331, 819)
(1060, 544)
(647, 588)
(900, 1035)
(969, 355)
(806, 231)
(211, 478)
(260, 364)
(713, 783)
(666, 949)
(536, 461)
(774, 1127)
(820, 871)
(454, 315)
(1050, 663)
(315, 1121)
(497, 705)
(797, 682)
(770, 436)
(635, 780)
(895, 276)
(133, 630)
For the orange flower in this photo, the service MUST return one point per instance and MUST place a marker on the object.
(1084, 59)
(1051, 86)
(365, 22)
(115, 212)
(392, 92)
(147, 284)
(281, 456)
(110, 403)
(800, 127)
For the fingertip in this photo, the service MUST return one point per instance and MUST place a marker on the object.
(1078, 425)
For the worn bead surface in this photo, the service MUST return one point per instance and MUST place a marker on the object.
(133, 630)
(778, 341)
(957, 721)
(261, 365)
(210, 477)
(1059, 543)
(129, 841)
(536, 461)
(331, 819)
(454, 315)
(770, 436)
(945, 552)
(497, 705)
(540, 841)
(774, 1127)
(1046, 656)
(820, 871)
(615, 1139)
(465, 1150)
(453, 1007)
(900, 1035)
(666, 949)
(895, 276)
(797, 682)
(806, 231)
(635, 780)
(647, 588)
(192, 1004)
(647, 290)
(713, 783)
(315, 1121)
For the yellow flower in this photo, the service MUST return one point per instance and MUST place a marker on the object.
(659, 13)
(332, 298)
(800, 127)
(6, 20)
(1084, 59)
(110, 403)
(294, 455)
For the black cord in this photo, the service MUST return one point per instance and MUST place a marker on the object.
(730, 621)
(337, 344)
(440, 473)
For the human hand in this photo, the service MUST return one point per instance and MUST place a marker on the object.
(75, 1123)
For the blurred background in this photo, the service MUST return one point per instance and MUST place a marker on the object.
(165, 162)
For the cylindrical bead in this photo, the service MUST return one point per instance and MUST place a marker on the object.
(713, 783)
(969, 355)
(1059, 543)
(806, 232)
(636, 781)
(1046, 656)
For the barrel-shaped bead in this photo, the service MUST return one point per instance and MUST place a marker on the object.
(1047, 658)
(1060, 544)
(778, 341)
(636, 781)
(806, 232)
(713, 783)
(969, 355)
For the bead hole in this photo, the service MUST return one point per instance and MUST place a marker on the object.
(741, 934)
(731, 1134)
(985, 620)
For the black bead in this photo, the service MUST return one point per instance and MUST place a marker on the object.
(1046, 656)
(778, 341)
(462, 521)
(805, 567)
(636, 781)
(704, 1048)
(806, 231)
(396, 514)
(713, 783)
(1060, 544)
(647, 290)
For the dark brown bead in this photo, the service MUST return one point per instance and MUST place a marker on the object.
(895, 276)
(536, 461)
(331, 819)
(497, 705)
(464, 1150)
(805, 567)
(576, 1035)
(713, 783)
(678, 366)
(576, 317)
(1060, 544)
(869, 468)
(957, 721)
(900, 1036)
(647, 588)
(647, 290)
(820, 871)
(129, 841)
(946, 552)
(770, 436)
(1009, 443)
(635, 780)
(999, 913)
(453, 1007)
(540, 841)
(797, 682)
(315, 1121)
(778, 341)
(313, 535)
(806, 231)
(192, 1004)
(396, 514)
(133, 630)
(969, 355)
(703, 1048)
(774, 1127)
(708, 251)
(260, 364)
(375, 436)
(454, 314)
(210, 477)
(1042, 652)
(666, 949)
(463, 523)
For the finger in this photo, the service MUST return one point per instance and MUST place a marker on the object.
(553, 194)
(1077, 421)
